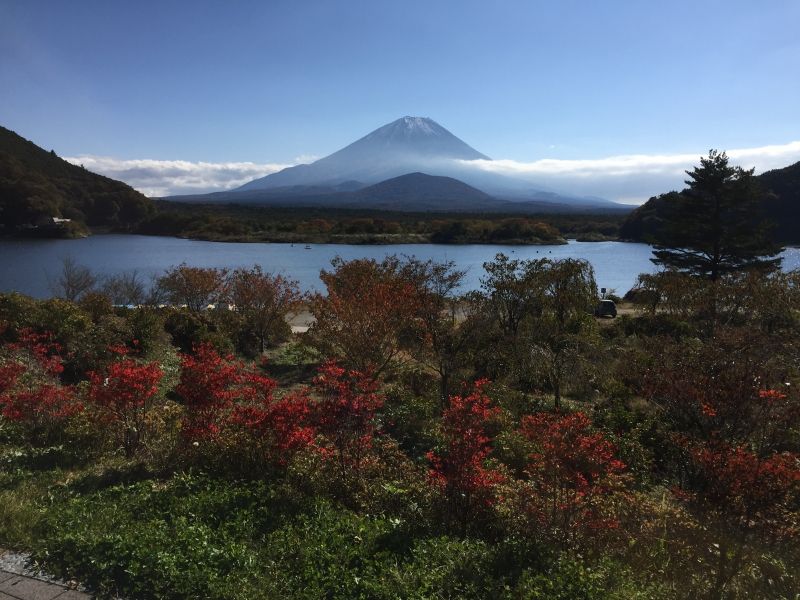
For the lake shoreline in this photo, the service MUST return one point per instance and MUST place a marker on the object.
(27, 264)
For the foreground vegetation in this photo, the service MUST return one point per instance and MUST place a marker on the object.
(414, 443)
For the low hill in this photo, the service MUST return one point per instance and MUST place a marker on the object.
(37, 185)
(411, 192)
(418, 191)
(781, 206)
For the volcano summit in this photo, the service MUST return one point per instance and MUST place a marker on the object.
(403, 146)
(416, 146)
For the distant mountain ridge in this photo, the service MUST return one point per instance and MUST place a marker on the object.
(781, 206)
(37, 186)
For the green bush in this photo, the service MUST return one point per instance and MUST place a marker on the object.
(187, 538)
(329, 553)
(571, 579)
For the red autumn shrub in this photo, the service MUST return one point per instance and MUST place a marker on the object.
(208, 387)
(745, 501)
(571, 470)
(10, 373)
(345, 413)
(749, 491)
(41, 407)
(280, 426)
(30, 392)
(458, 470)
(43, 348)
(223, 394)
(124, 394)
(724, 389)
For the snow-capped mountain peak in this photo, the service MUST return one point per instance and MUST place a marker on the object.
(405, 145)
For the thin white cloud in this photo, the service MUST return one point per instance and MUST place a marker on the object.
(168, 177)
(632, 178)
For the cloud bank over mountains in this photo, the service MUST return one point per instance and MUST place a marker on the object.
(633, 178)
(629, 178)
(168, 177)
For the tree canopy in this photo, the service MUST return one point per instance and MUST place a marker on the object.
(716, 225)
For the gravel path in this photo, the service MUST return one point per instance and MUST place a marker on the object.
(18, 581)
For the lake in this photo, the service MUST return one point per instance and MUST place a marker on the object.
(27, 265)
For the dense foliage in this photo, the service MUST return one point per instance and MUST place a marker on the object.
(416, 442)
(237, 222)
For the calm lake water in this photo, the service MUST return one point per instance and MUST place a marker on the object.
(27, 265)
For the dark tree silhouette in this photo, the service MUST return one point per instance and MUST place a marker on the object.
(715, 226)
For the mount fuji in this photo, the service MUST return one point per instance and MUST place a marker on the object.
(416, 146)
(403, 146)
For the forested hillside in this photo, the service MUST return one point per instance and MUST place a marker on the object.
(781, 205)
(36, 185)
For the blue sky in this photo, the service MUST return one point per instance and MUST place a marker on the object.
(274, 82)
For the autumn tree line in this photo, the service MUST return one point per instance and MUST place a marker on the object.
(351, 226)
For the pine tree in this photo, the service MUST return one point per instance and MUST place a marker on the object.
(715, 226)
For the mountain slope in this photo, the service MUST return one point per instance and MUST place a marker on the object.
(418, 191)
(407, 145)
(781, 207)
(36, 185)
(404, 145)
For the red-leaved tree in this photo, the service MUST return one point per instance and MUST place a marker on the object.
(733, 421)
(123, 394)
(208, 387)
(368, 308)
(571, 471)
(458, 468)
(345, 414)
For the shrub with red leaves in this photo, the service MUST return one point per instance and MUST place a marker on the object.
(44, 349)
(345, 412)
(279, 426)
(222, 394)
(124, 394)
(30, 392)
(10, 373)
(746, 501)
(458, 469)
(570, 471)
(751, 491)
(208, 386)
